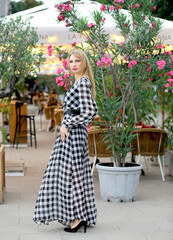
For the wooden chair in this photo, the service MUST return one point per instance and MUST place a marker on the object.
(150, 142)
(58, 117)
(2, 172)
(97, 148)
(49, 115)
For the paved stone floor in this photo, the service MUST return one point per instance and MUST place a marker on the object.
(150, 217)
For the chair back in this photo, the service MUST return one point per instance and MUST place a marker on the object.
(58, 116)
(101, 147)
(18, 108)
(149, 142)
(49, 112)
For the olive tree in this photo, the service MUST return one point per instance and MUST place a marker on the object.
(18, 54)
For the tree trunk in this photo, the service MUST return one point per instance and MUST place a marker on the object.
(8, 91)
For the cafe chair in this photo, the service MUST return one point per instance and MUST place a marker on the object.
(97, 148)
(58, 117)
(150, 142)
(22, 134)
(49, 115)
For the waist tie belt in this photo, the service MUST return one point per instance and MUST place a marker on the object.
(72, 112)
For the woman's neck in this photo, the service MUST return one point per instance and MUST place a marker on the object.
(77, 77)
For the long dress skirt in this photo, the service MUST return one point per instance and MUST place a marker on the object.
(66, 192)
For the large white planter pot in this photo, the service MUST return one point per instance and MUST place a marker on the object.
(118, 184)
(171, 163)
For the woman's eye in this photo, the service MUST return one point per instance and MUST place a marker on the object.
(77, 60)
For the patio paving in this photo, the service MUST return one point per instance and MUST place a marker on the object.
(150, 217)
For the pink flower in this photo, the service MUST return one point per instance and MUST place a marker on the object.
(66, 75)
(66, 86)
(103, 19)
(90, 25)
(153, 24)
(121, 43)
(103, 7)
(111, 8)
(119, 1)
(170, 53)
(134, 23)
(61, 18)
(134, 62)
(60, 84)
(170, 80)
(63, 50)
(67, 23)
(154, 8)
(106, 60)
(161, 64)
(167, 85)
(58, 79)
(159, 46)
(99, 64)
(130, 65)
(170, 73)
(50, 50)
(73, 44)
(120, 7)
(59, 71)
(137, 5)
(64, 62)
(149, 70)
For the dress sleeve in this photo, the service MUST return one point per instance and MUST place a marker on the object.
(88, 107)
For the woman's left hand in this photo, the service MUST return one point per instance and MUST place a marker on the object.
(64, 133)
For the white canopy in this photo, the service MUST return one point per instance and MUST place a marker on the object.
(51, 32)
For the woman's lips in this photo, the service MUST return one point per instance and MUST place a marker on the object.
(74, 69)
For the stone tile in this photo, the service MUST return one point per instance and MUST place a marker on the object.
(148, 218)
(39, 237)
(9, 237)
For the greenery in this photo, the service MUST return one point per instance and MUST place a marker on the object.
(126, 73)
(23, 5)
(49, 82)
(18, 54)
(5, 105)
(164, 8)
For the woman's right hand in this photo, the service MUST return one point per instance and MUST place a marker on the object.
(64, 133)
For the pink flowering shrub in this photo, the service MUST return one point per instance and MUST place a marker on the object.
(127, 72)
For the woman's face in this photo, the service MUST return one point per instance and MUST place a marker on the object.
(75, 65)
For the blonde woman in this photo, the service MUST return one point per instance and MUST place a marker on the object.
(66, 193)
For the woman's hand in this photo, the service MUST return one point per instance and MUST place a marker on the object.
(64, 133)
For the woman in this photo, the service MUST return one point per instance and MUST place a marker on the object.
(67, 193)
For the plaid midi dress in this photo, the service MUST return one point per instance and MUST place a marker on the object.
(67, 191)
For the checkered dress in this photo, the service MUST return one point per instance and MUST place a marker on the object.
(67, 190)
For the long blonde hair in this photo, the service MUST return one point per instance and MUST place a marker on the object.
(86, 67)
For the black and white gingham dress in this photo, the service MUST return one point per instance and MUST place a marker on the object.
(67, 190)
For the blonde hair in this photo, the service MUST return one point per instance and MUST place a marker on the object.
(86, 67)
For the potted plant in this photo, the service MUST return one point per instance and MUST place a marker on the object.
(168, 125)
(123, 78)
